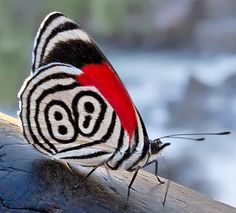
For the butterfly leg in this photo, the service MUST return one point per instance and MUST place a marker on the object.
(70, 168)
(156, 171)
(131, 182)
(73, 172)
(91, 172)
(108, 172)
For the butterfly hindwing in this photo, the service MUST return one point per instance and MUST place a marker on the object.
(69, 121)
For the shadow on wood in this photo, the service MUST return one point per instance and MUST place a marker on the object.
(32, 182)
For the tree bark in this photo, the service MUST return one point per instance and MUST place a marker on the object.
(33, 182)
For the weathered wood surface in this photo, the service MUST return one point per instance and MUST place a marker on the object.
(32, 182)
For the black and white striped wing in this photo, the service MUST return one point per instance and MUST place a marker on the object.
(73, 106)
(66, 120)
(60, 39)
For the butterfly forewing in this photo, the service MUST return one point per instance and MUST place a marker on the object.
(60, 39)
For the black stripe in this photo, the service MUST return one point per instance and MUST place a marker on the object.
(96, 142)
(121, 139)
(46, 23)
(111, 127)
(94, 155)
(75, 52)
(129, 152)
(142, 156)
(120, 143)
(61, 28)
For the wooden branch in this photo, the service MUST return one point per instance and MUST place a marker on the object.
(32, 182)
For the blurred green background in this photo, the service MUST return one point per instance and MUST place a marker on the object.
(195, 25)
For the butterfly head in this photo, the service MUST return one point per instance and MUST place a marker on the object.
(155, 148)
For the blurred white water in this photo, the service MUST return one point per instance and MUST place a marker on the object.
(182, 93)
(155, 80)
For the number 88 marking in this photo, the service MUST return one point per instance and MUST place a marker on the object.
(60, 123)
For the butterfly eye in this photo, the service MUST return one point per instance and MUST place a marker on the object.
(60, 123)
(89, 110)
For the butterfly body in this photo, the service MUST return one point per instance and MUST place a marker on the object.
(74, 107)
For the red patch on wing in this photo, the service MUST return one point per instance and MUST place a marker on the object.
(109, 85)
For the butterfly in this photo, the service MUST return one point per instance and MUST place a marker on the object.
(74, 107)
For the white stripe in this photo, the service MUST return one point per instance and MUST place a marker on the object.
(55, 23)
(119, 155)
(113, 140)
(76, 34)
(140, 145)
(87, 151)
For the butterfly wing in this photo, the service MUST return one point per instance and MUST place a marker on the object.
(64, 119)
(74, 105)
(59, 39)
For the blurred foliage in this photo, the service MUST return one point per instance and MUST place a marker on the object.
(19, 21)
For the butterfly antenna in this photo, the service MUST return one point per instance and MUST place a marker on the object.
(182, 136)
(186, 138)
